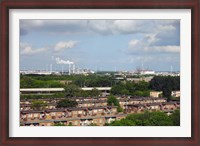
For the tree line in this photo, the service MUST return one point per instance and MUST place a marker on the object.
(166, 84)
(149, 119)
(130, 88)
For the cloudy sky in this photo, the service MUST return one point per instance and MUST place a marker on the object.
(100, 44)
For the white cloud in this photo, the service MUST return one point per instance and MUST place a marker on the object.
(52, 26)
(147, 45)
(64, 45)
(26, 49)
(166, 27)
(167, 49)
(102, 27)
(133, 43)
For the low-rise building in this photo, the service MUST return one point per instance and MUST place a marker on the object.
(176, 93)
(156, 94)
(86, 121)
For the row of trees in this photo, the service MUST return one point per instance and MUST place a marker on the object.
(94, 80)
(40, 96)
(30, 82)
(129, 88)
(75, 91)
(149, 119)
(65, 103)
(42, 81)
(165, 84)
(158, 83)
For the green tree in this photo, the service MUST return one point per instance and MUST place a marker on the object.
(167, 92)
(66, 103)
(59, 124)
(144, 119)
(142, 86)
(125, 92)
(138, 93)
(38, 105)
(95, 92)
(166, 84)
(112, 100)
(176, 118)
(119, 109)
(92, 124)
(71, 90)
(116, 89)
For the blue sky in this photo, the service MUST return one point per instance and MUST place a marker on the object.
(100, 44)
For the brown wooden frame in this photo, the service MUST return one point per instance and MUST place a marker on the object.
(100, 4)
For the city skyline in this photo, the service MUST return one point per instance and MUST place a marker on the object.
(100, 44)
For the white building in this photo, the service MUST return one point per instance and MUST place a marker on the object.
(147, 72)
(176, 93)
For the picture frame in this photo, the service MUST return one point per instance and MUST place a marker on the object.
(103, 4)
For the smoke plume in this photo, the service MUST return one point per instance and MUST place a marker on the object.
(60, 61)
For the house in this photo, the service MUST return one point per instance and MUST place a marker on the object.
(156, 94)
(176, 93)
(135, 108)
(170, 106)
(65, 82)
(55, 113)
(153, 106)
(110, 119)
(31, 115)
(86, 121)
(25, 106)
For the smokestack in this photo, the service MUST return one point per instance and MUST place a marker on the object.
(171, 68)
(69, 68)
(73, 68)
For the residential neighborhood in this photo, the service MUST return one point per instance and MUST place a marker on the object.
(41, 106)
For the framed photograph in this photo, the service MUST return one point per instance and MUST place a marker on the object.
(100, 72)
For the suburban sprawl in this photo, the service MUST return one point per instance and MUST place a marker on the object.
(141, 98)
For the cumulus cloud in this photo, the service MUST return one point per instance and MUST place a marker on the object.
(148, 44)
(166, 27)
(146, 40)
(167, 49)
(26, 49)
(52, 26)
(102, 27)
(64, 45)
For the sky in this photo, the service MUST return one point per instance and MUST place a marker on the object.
(104, 45)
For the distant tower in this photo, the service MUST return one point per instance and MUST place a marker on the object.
(142, 66)
(73, 68)
(69, 68)
(171, 68)
(51, 68)
(47, 68)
